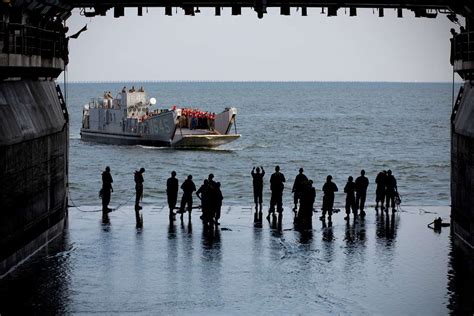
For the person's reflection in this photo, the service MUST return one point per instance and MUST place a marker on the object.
(186, 243)
(172, 252)
(138, 218)
(305, 229)
(277, 222)
(257, 218)
(274, 222)
(189, 226)
(349, 236)
(327, 231)
(360, 230)
(105, 221)
(171, 231)
(328, 244)
(211, 265)
(306, 236)
(386, 225)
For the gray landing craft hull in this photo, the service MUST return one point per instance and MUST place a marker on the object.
(187, 141)
(121, 139)
(112, 126)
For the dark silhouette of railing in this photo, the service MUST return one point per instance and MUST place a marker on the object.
(32, 41)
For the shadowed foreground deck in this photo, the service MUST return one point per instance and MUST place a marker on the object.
(393, 265)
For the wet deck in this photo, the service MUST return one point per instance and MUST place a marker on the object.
(382, 265)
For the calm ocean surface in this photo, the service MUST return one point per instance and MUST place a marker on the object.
(326, 128)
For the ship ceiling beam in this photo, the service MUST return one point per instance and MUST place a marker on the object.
(99, 7)
(462, 7)
(229, 3)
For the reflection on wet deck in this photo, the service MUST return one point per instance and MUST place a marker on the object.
(385, 264)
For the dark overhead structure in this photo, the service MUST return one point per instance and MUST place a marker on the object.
(421, 8)
(34, 124)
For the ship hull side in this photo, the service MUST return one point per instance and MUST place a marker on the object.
(33, 169)
(121, 139)
(462, 172)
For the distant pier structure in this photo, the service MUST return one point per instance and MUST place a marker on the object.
(34, 123)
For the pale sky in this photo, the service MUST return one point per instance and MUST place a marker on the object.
(277, 48)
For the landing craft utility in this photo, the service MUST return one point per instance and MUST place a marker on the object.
(129, 119)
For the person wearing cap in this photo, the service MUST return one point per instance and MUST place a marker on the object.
(328, 199)
(106, 189)
(298, 187)
(139, 187)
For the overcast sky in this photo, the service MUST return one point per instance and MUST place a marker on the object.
(276, 48)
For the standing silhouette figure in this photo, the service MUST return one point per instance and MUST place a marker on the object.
(257, 177)
(138, 177)
(298, 186)
(172, 186)
(328, 199)
(277, 181)
(349, 189)
(107, 189)
(361, 185)
(391, 190)
(380, 190)
(188, 188)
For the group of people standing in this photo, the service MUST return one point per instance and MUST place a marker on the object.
(304, 195)
(209, 193)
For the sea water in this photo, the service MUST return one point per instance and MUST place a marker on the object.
(325, 128)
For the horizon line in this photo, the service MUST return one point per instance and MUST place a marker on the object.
(246, 81)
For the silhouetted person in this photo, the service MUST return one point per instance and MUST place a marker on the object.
(349, 189)
(307, 198)
(138, 177)
(298, 186)
(172, 186)
(203, 193)
(188, 188)
(380, 190)
(277, 181)
(328, 199)
(361, 185)
(391, 190)
(210, 178)
(106, 189)
(257, 187)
